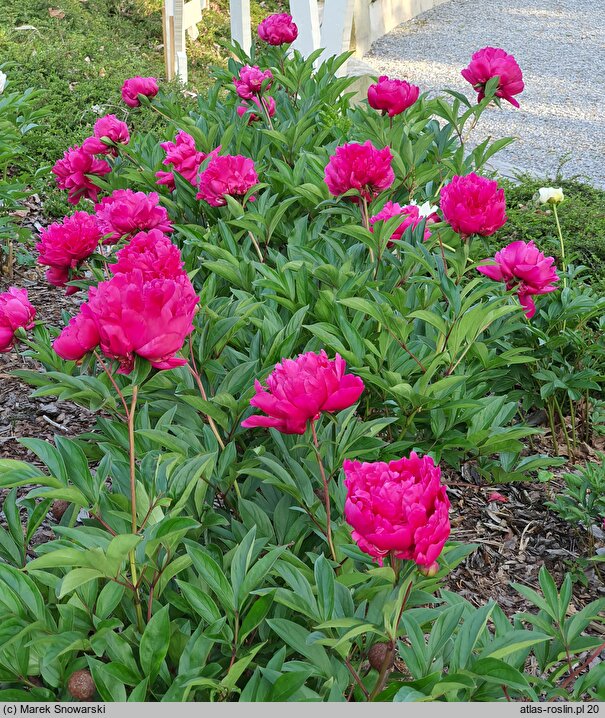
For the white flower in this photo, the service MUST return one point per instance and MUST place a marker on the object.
(3, 79)
(424, 210)
(427, 209)
(550, 195)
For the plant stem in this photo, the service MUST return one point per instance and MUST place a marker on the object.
(133, 503)
(132, 456)
(390, 655)
(587, 417)
(551, 421)
(403, 345)
(562, 244)
(255, 243)
(442, 253)
(113, 382)
(365, 218)
(356, 678)
(572, 414)
(195, 373)
(565, 432)
(326, 492)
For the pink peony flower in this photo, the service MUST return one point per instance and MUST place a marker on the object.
(361, 167)
(16, 312)
(524, 268)
(493, 62)
(125, 212)
(399, 508)
(64, 245)
(78, 338)
(134, 317)
(269, 108)
(135, 86)
(473, 205)
(153, 254)
(225, 175)
(298, 390)
(184, 158)
(108, 131)
(72, 173)
(252, 81)
(278, 29)
(392, 96)
(410, 215)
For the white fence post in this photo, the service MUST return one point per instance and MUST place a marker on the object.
(336, 27)
(240, 23)
(306, 17)
(179, 17)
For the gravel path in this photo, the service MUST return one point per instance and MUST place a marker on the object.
(560, 46)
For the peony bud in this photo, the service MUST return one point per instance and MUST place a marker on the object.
(58, 508)
(378, 654)
(549, 195)
(429, 571)
(81, 685)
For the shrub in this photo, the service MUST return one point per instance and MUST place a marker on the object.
(214, 560)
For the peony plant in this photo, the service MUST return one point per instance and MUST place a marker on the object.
(265, 517)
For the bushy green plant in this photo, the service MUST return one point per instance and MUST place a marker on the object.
(214, 562)
(583, 501)
(19, 115)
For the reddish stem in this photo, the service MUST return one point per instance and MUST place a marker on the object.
(326, 492)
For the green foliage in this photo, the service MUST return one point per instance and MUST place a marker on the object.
(582, 217)
(583, 501)
(203, 567)
(91, 51)
(18, 117)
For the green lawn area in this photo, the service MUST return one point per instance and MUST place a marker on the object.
(78, 52)
(582, 217)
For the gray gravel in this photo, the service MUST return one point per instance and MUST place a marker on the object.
(560, 46)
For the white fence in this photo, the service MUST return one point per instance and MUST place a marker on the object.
(366, 19)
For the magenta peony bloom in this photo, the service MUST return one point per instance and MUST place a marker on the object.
(133, 317)
(494, 62)
(153, 254)
(225, 175)
(64, 245)
(78, 338)
(16, 312)
(252, 81)
(71, 173)
(269, 108)
(473, 205)
(360, 167)
(410, 215)
(278, 29)
(125, 212)
(135, 86)
(392, 96)
(524, 268)
(400, 508)
(184, 158)
(108, 131)
(298, 390)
